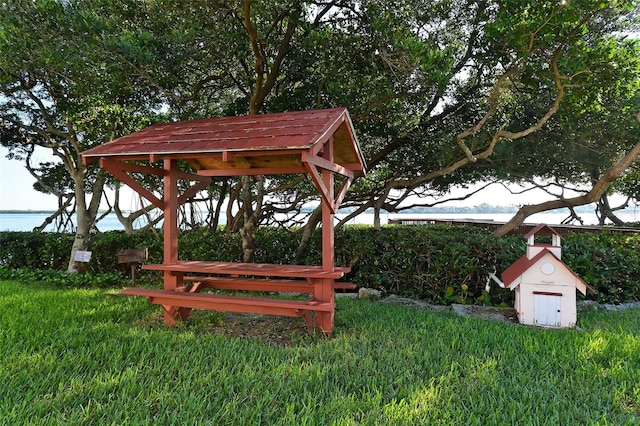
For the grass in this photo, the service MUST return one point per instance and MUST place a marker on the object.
(92, 357)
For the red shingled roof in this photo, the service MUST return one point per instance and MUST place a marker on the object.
(519, 267)
(285, 132)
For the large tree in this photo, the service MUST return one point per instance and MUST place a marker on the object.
(61, 93)
(441, 92)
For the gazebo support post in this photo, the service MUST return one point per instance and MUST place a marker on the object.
(171, 280)
(324, 287)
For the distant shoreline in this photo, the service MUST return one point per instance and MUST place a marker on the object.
(27, 220)
(27, 211)
(479, 209)
(37, 212)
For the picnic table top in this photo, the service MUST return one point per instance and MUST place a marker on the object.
(252, 269)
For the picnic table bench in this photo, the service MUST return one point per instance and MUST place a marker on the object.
(257, 277)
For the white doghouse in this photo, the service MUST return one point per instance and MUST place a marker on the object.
(545, 287)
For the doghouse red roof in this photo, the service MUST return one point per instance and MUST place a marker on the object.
(521, 265)
(544, 230)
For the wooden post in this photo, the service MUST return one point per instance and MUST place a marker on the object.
(324, 287)
(171, 281)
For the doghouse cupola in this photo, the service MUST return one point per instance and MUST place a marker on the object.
(534, 247)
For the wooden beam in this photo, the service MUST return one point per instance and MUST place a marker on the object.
(114, 167)
(323, 291)
(193, 176)
(342, 192)
(325, 192)
(120, 158)
(327, 136)
(170, 235)
(138, 168)
(193, 191)
(284, 170)
(170, 214)
(356, 168)
(327, 165)
(241, 161)
(132, 167)
(230, 154)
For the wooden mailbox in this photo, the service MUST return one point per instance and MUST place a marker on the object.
(133, 257)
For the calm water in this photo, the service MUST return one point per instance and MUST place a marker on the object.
(28, 221)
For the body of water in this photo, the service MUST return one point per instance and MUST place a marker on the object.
(26, 221)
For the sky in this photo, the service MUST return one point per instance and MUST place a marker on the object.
(16, 188)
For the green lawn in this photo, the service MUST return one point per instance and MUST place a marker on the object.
(90, 357)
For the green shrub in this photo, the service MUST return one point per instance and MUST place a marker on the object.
(609, 262)
(34, 250)
(441, 264)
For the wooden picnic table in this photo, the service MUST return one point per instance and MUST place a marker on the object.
(257, 277)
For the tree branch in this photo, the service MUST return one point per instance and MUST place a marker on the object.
(598, 189)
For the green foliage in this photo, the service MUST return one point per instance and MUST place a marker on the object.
(629, 182)
(90, 357)
(420, 262)
(608, 262)
(414, 74)
(440, 264)
(34, 250)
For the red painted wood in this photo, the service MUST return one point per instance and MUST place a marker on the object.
(169, 299)
(217, 301)
(301, 129)
(171, 282)
(249, 269)
(253, 171)
(252, 284)
(324, 288)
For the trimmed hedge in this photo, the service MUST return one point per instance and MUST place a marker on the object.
(441, 264)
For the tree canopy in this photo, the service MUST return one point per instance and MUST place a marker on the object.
(442, 93)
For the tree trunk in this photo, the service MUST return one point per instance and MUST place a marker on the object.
(248, 240)
(62, 208)
(266, 77)
(606, 212)
(307, 233)
(250, 215)
(85, 215)
(218, 208)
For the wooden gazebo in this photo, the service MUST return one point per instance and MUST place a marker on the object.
(319, 143)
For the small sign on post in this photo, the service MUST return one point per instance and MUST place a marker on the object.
(82, 256)
(133, 257)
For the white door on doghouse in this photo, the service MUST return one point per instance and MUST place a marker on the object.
(547, 310)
